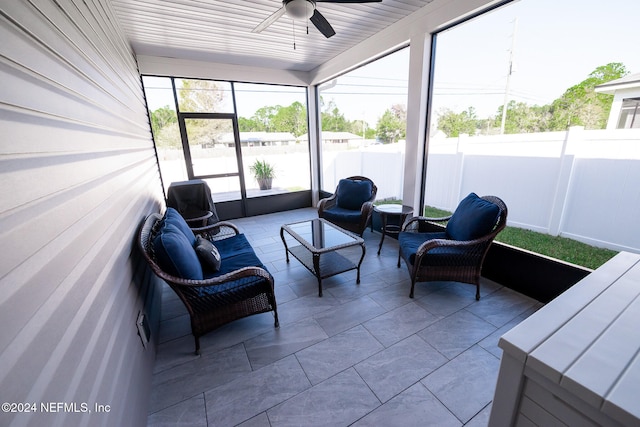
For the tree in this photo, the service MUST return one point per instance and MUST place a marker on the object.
(453, 124)
(292, 119)
(361, 128)
(264, 117)
(249, 125)
(581, 105)
(202, 96)
(168, 136)
(391, 127)
(332, 119)
(578, 105)
(523, 118)
(162, 117)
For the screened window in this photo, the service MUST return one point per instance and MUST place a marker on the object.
(363, 125)
(244, 140)
(273, 133)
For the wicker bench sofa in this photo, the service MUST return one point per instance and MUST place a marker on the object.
(240, 286)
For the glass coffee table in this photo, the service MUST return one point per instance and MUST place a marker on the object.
(323, 248)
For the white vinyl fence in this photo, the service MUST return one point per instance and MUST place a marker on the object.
(383, 164)
(584, 185)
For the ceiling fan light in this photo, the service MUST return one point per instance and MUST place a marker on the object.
(299, 9)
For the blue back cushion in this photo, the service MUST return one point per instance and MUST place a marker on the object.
(175, 254)
(474, 217)
(353, 194)
(173, 217)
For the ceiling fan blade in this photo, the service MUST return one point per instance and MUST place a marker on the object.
(270, 20)
(322, 24)
(348, 1)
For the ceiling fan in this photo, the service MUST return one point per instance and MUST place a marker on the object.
(306, 9)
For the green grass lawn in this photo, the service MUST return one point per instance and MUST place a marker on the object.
(557, 247)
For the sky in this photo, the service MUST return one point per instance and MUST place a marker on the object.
(557, 44)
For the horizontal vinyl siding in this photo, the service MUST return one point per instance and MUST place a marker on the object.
(78, 173)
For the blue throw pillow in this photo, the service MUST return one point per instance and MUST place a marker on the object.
(173, 217)
(175, 254)
(353, 194)
(473, 218)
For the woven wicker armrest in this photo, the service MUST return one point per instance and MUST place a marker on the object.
(418, 224)
(441, 219)
(438, 243)
(218, 280)
(218, 231)
(327, 203)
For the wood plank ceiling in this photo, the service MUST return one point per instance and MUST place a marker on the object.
(220, 30)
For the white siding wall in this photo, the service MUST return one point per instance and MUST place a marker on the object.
(77, 175)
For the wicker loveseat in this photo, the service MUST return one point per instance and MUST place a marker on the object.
(240, 287)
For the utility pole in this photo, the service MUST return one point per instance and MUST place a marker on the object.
(506, 90)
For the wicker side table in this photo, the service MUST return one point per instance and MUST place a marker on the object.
(395, 211)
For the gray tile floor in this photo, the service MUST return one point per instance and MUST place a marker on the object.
(364, 355)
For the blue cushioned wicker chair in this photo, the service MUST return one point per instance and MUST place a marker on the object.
(351, 205)
(455, 253)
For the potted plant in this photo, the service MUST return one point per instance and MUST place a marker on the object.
(263, 172)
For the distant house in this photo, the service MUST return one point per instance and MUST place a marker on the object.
(625, 110)
(329, 137)
(256, 139)
(339, 137)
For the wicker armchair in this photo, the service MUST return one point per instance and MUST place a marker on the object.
(351, 206)
(431, 253)
(215, 301)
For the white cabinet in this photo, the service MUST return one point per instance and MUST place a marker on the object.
(576, 361)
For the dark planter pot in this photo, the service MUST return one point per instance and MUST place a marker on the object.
(265, 183)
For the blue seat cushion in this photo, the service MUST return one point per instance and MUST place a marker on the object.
(353, 194)
(235, 253)
(473, 218)
(232, 246)
(236, 262)
(173, 217)
(175, 254)
(338, 214)
(410, 242)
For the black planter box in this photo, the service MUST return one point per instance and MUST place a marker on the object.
(537, 276)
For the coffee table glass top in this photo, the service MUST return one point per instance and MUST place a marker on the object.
(320, 234)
